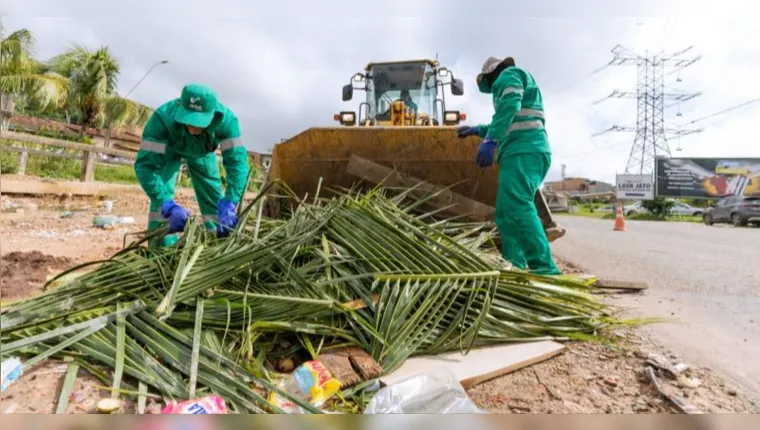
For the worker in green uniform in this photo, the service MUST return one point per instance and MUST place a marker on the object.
(191, 128)
(517, 131)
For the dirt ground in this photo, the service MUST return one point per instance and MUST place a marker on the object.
(23, 272)
(593, 378)
(41, 237)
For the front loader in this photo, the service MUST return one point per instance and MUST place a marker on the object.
(404, 124)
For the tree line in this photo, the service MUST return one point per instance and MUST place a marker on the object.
(77, 86)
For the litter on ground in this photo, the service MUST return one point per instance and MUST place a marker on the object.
(233, 317)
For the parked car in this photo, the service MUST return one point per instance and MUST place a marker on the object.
(627, 209)
(678, 208)
(738, 211)
(634, 208)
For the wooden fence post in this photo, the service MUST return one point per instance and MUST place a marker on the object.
(88, 167)
(22, 160)
(88, 163)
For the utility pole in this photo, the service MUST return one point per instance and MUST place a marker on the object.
(145, 76)
(652, 135)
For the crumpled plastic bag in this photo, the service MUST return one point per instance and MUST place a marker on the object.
(436, 391)
(204, 405)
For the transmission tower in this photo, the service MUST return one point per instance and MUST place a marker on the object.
(651, 133)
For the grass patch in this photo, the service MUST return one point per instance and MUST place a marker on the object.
(8, 163)
(70, 169)
(652, 217)
(65, 169)
(115, 174)
(585, 214)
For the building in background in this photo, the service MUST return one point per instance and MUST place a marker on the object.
(579, 186)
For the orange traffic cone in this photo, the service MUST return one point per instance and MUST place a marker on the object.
(619, 220)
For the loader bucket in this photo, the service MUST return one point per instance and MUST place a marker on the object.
(432, 154)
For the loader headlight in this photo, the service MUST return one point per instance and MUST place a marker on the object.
(347, 118)
(451, 117)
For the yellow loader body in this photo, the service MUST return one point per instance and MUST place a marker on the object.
(433, 154)
(403, 124)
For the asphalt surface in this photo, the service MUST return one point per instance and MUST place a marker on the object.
(706, 279)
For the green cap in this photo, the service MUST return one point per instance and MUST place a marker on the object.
(197, 106)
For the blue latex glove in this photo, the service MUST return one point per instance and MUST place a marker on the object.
(176, 214)
(227, 217)
(465, 131)
(485, 153)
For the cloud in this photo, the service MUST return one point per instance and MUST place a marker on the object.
(280, 65)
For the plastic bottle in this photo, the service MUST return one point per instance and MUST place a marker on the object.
(311, 382)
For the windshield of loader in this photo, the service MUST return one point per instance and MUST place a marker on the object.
(414, 83)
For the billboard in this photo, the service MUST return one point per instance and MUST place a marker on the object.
(707, 177)
(634, 187)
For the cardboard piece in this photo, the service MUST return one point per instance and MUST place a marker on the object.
(480, 364)
(454, 203)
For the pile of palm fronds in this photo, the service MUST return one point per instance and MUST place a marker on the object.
(214, 315)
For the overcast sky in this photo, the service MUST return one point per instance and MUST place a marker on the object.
(280, 66)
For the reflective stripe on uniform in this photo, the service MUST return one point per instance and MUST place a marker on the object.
(230, 143)
(214, 218)
(150, 146)
(530, 112)
(525, 125)
(155, 216)
(510, 90)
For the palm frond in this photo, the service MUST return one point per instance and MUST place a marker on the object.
(356, 269)
(119, 112)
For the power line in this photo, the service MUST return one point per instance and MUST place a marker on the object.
(667, 29)
(575, 109)
(651, 138)
(566, 112)
(720, 112)
(582, 78)
(592, 151)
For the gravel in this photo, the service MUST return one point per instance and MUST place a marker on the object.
(704, 279)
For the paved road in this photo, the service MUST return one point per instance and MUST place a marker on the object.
(708, 278)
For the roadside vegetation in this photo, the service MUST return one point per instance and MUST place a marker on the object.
(658, 210)
(76, 87)
(68, 169)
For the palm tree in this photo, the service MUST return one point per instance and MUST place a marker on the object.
(92, 76)
(21, 76)
(119, 112)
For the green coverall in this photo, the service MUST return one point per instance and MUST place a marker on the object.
(165, 143)
(524, 158)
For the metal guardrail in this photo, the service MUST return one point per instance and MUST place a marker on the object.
(89, 156)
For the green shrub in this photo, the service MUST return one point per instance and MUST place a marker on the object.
(658, 207)
(9, 163)
(644, 216)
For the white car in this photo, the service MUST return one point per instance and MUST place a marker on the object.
(686, 210)
(677, 209)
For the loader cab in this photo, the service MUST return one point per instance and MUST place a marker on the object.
(402, 93)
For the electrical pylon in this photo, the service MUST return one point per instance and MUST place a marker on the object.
(652, 135)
